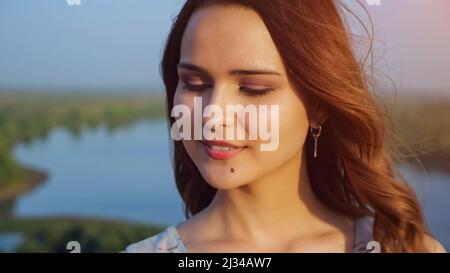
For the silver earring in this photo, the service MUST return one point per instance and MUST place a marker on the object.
(315, 135)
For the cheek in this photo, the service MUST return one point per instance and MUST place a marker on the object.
(185, 98)
(293, 123)
(293, 132)
(293, 128)
(189, 145)
(180, 96)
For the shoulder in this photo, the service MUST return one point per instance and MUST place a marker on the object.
(363, 233)
(433, 245)
(166, 241)
(364, 226)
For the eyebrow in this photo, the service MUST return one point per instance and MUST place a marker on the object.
(197, 68)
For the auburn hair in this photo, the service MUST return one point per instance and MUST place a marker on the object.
(354, 174)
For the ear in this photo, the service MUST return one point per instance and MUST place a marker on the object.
(318, 115)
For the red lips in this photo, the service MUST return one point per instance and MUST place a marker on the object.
(221, 150)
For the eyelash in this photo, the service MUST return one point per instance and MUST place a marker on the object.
(248, 91)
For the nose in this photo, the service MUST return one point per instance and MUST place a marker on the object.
(219, 95)
(215, 105)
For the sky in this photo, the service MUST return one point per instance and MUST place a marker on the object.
(117, 44)
(100, 44)
(414, 43)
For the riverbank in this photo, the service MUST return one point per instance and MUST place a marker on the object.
(28, 180)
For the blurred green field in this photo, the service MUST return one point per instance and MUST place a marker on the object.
(51, 235)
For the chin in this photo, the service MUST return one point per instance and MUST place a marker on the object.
(221, 178)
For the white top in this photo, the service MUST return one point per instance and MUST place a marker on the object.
(169, 241)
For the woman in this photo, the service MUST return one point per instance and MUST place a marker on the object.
(330, 185)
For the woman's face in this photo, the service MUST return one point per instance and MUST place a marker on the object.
(229, 58)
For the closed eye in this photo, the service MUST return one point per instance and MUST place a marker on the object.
(196, 87)
(255, 92)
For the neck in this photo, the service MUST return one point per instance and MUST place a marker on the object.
(280, 203)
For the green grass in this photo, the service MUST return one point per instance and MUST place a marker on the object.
(51, 235)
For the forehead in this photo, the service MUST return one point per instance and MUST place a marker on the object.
(221, 38)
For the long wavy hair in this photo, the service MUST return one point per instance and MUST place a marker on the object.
(354, 173)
